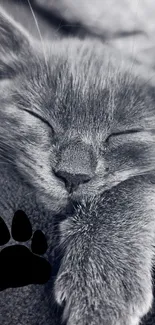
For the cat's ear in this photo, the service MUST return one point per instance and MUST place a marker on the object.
(14, 44)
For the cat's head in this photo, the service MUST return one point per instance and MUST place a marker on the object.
(73, 119)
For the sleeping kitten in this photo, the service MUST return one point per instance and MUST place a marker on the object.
(78, 126)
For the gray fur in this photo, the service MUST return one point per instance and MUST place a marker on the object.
(80, 91)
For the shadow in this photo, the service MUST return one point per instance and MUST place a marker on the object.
(73, 29)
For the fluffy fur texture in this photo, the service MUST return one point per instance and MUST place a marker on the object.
(76, 97)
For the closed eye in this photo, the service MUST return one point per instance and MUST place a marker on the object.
(115, 134)
(39, 117)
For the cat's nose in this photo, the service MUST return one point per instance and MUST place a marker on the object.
(72, 181)
(76, 164)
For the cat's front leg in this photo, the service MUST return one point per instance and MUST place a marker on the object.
(105, 274)
(96, 292)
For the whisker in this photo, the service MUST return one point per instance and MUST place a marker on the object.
(39, 32)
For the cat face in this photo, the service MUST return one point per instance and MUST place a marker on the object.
(74, 120)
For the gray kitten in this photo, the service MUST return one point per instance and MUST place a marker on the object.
(78, 126)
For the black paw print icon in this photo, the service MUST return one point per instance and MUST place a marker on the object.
(20, 266)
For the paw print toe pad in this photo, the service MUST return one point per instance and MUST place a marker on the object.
(4, 233)
(21, 229)
(39, 243)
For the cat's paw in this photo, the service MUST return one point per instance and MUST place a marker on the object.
(92, 292)
(102, 308)
(19, 265)
(62, 288)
